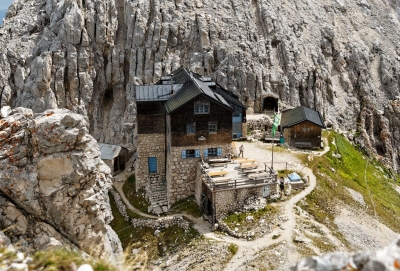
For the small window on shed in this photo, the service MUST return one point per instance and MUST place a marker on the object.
(306, 129)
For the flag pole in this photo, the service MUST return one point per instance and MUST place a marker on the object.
(272, 162)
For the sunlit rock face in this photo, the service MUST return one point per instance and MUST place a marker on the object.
(338, 57)
(53, 184)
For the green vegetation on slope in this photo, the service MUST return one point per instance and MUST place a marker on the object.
(167, 241)
(188, 206)
(268, 213)
(137, 199)
(52, 260)
(355, 171)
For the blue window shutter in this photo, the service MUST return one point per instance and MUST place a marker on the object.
(152, 162)
(219, 151)
(184, 154)
(205, 152)
(197, 153)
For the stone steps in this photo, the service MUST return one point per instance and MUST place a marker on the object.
(156, 193)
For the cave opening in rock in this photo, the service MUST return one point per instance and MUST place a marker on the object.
(270, 104)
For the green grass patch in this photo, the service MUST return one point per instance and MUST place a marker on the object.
(137, 199)
(355, 171)
(61, 259)
(275, 236)
(167, 241)
(267, 213)
(233, 249)
(188, 206)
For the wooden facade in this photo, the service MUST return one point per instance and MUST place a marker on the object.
(303, 135)
(184, 115)
(150, 117)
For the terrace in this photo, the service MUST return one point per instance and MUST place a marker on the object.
(226, 174)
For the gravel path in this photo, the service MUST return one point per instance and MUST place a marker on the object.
(247, 249)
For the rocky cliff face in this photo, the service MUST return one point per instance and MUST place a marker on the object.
(53, 184)
(339, 57)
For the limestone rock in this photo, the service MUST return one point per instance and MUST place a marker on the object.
(383, 259)
(338, 57)
(54, 187)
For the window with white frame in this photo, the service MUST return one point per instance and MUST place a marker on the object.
(191, 128)
(202, 107)
(212, 126)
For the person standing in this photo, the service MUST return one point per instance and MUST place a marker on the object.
(241, 149)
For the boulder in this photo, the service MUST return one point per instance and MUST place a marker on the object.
(54, 185)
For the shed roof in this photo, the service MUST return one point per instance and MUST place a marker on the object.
(301, 114)
(108, 151)
(155, 92)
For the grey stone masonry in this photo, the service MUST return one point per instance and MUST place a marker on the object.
(156, 193)
(228, 201)
(149, 145)
(181, 172)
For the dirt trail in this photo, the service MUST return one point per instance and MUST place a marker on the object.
(247, 249)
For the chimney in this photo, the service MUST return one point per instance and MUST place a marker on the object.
(172, 84)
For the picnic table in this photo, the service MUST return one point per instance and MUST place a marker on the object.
(248, 166)
(217, 173)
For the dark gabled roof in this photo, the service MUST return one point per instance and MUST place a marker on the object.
(155, 92)
(301, 114)
(194, 88)
(229, 97)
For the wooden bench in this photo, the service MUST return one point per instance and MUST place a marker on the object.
(247, 161)
(217, 173)
(258, 175)
(221, 179)
(255, 170)
(302, 144)
(219, 164)
(237, 160)
(247, 166)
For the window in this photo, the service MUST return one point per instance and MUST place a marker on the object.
(152, 163)
(212, 126)
(190, 153)
(202, 107)
(212, 152)
(191, 128)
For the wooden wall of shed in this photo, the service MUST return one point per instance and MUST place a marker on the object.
(304, 132)
(185, 114)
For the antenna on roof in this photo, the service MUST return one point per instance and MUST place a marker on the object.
(172, 84)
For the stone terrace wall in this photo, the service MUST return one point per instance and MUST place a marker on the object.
(149, 145)
(228, 201)
(181, 173)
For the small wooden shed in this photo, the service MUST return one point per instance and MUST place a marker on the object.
(114, 156)
(302, 127)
